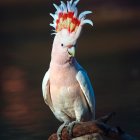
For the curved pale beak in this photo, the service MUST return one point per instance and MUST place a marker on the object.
(71, 51)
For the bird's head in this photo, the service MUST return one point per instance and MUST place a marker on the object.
(67, 28)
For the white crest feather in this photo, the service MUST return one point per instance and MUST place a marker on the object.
(71, 2)
(53, 25)
(69, 8)
(76, 2)
(57, 7)
(87, 21)
(53, 33)
(76, 12)
(54, 16)
(83, 14)
(64, 7)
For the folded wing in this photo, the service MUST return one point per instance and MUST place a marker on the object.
(46, 90)
(87, 89)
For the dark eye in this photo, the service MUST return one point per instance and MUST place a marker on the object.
(62, 44)
(75, 45)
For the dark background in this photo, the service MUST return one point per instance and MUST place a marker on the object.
(110, 52)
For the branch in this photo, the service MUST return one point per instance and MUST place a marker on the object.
(97, 126)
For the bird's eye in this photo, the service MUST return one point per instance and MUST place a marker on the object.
(62, 45)
(75, 46)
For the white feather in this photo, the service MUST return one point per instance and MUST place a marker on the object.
(76, 2)
(53, 25)
(87, 21)
(54, 16)
(73, 7)
(57, 8)
(75, 12)
(68, 6)
(71, 2)
(53, 30)
(53, 33)
(87, 89)
(44, 83)
(46, 90)
(54, 22)
(83, 14)
(63, 6)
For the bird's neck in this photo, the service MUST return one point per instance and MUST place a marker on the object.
(59, 63)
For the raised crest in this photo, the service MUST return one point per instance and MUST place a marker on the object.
(66, 17)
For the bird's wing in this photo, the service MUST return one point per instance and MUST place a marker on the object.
(87, 89)
(46, 90)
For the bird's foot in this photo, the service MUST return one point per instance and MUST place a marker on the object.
(60, 129)
(70, 128)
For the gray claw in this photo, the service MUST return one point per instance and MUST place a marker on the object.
(60, 129)
(70, 128)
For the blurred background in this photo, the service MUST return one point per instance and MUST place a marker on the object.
(110, 53)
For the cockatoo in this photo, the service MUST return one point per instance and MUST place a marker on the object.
(66, 87)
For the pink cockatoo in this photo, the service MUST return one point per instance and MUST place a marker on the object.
(66, 87)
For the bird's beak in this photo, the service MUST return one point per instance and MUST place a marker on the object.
(71, 51)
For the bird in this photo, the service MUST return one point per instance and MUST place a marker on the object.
(66, 87)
